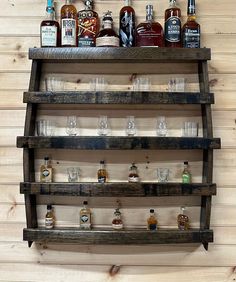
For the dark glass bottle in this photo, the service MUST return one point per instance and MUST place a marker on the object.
(102, 173)
(49, 28)
(69, 23)
(191, 29)
(88, 25)
(127, 25)
(107, 37)
(173, 25)
(149, 33)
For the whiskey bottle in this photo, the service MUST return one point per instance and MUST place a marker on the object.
(127, 25)
(152, 221)
(107, 37)
(102, 173)
(117, 223)
(46, 171)
(49, 28)
(191, 29)
(173, 25)
(88, 25)
(69, 24)
(186, 175)
(183, 220)
(133, 173)
(85, 216)
(149, 33)
(49, 218)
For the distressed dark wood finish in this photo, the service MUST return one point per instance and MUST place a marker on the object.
(117, 97)
(122, 189)
(114, 237)
(117, 143)
(116, 55)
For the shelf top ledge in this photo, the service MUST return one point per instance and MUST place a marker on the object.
(120, 54)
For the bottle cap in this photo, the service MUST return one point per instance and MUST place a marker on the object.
(186, 163)
(102, 162)
(85, 202)
(88, 3)
(107, 16)
(151, 210)
(49, 207)
(46, 158)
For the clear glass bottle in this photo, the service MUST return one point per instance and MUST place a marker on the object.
(46, 171)
(152, 221)
(49, 218)
(88, 25)
(130, 126)
(117, 222)
(133, 173)
(149, 33)
(161, 126)
(102, 173)
(173, 25)
(85, 216)
(107, 37)
(183, 220)
(49, 28)
(69, 25)
(186, 174)
(127, 25)
(191, 29)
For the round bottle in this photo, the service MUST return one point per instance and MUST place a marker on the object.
(117, 221)
(133, 173)
(183, 220)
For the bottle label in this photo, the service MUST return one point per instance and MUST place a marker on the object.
(117, 226)
(152, 226)
(49, 222)
(186, 178)
(191, 38)
(133, 179)
(49, 36)
(68, 32)
(86, 42)
(85, 221)
(107, 41)
(46, 175)
(173, 29)
(101, 179)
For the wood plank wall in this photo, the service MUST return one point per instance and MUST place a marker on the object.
(19, 30)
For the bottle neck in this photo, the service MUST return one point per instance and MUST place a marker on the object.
(172, 3)
(107, 24)
(102, 166)
(127, 2)
(191, 8)
(149, 16)
(46, 162)
(50, 13)
(185, 167)
(68, 2)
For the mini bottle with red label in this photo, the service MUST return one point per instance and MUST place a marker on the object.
(117, 222)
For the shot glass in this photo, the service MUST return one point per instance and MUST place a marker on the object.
(190, 129)
(72, 126)
(45, 127)
(103, 126)
(163, 174)
(73, 174)
(131, 126)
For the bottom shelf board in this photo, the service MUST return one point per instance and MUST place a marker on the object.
(117, 237)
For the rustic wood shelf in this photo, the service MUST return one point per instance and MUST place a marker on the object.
(118, 97)
(117, 237)
(119, 55)
(117, 143)
(122, 189)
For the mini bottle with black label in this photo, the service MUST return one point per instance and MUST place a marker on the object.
(117, 223)
(133, 173)
(85, 216)
(191, 29)
(186, 174)
(46, 171)
(102, 173)
(152, 221)
(49, 218)
(173, 25)
(183, 220)
(88, 25)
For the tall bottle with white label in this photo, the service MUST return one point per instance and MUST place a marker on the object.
(85, 216)
(49, 28)
(69, 25)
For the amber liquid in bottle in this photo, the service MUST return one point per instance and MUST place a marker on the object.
(88, 26)
(191, 29)
(152, 221)
(173, 26)
(183, 220)
(69, 25)
(49, 218)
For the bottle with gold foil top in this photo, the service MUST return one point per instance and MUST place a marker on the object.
(88, 25)
(102, 173)
(46, 171)
(117, 222)
(69, 25)
(85, 217)
(152, 221)
(183, 220)
(186, 174)
(49, 218)
(133, 173)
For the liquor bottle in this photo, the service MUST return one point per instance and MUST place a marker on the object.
(49, 218)
(69, 24)
(152, 221)
(183, 220)
(173, 25)
(117, 221)
(133, 173)
(127, 25)
(88, 25)
(149, 33)
(102, 173)
(107, 37)
(85, 216)
(49, 28)
(46, 171)
(191, 29)
(186, 174)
